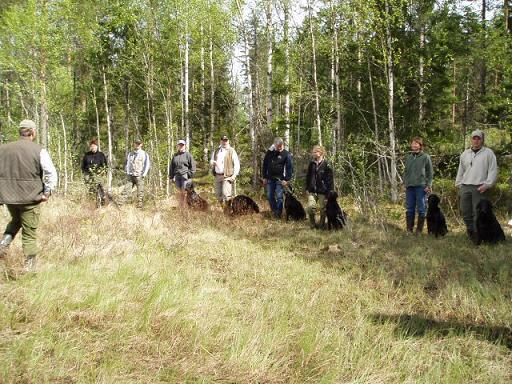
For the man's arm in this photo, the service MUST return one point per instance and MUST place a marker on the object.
(236, 164)
(50, 177)
(147, 164)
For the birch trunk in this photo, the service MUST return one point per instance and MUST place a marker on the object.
(109, 128)
(212, 90)
(65, 139)
(421, 70)
(315, 80)
(247, 62)
(186, 90)
(391, 116)
(287, 75)
(270, 36)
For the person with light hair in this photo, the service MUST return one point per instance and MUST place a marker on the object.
(319, 182)
(27, 179)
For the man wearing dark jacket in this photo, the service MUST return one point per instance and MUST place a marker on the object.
(181, 170)
(319, 181)
(27, 177)
(277, 172)
(93, 164)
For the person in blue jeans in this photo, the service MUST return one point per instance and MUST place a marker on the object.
(418, 176)
(277, 172)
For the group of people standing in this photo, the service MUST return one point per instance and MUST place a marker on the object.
(28, 177)
(476, 175)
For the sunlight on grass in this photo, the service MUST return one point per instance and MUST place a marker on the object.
(154, 296)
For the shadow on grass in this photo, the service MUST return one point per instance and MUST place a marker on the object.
(420, 326)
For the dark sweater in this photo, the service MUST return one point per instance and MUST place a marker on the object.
(278, 165)
(93, 161)
(182, 164)
(319, 178)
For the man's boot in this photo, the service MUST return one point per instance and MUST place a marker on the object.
(410, 223)
(421, 222)
(4, 244)
(30, 263)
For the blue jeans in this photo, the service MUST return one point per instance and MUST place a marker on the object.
(275, 196)
(415, 198)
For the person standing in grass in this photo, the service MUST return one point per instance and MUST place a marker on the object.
(27, 178)
(226, 167)
(418, 176)
(94, 164)
(137, 168)
(477, 173)
(319, 181)
(277, 172)
(181, 170)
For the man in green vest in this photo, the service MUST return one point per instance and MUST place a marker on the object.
(27, 178)
(225, 166)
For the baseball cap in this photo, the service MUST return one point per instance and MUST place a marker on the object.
(138, 141)
(183, 142)
(224, 137)
(477, 133)
(28, 124)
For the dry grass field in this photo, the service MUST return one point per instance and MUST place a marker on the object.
(155, 296)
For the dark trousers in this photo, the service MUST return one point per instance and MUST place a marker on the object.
(469, 198)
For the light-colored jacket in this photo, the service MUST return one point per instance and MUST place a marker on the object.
(137, 163)
(477, 168)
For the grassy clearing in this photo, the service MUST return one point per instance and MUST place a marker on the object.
(123, 296)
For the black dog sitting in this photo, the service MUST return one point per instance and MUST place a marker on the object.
(436, 223)
(292, 206)
(195, 201)
(488, 230)
(242, 205)
(336, 218)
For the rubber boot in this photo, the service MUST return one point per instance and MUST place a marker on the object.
(4, 244)
(30, 263)
(410, 223)
(421, 223)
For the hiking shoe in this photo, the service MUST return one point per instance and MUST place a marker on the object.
(4, 244)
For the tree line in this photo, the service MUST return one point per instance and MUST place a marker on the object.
(359, 77)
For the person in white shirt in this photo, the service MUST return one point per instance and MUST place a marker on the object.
(226, 167)
(137, 168)
(477, 173)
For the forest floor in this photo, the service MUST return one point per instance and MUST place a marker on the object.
(154, 296)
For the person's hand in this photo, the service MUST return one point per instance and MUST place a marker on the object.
(265, 182)
(428, 190)
(482, 188)
(284, 183)
(45, 197)
(213, 164)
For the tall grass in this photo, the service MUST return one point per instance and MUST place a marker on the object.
(153, 296)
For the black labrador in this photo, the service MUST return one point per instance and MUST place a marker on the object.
(488, 230)
(292, 206)
(436, 222)
(336, 218)
(195, 201)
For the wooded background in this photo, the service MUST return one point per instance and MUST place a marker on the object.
(360, 77)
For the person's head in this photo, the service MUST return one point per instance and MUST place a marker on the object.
(417, 144)
(278, 144)
(477, 139)
(137, 144)
(93, 146)
(224, 141)
(28, 129)
(318, 152)
(182, 145)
